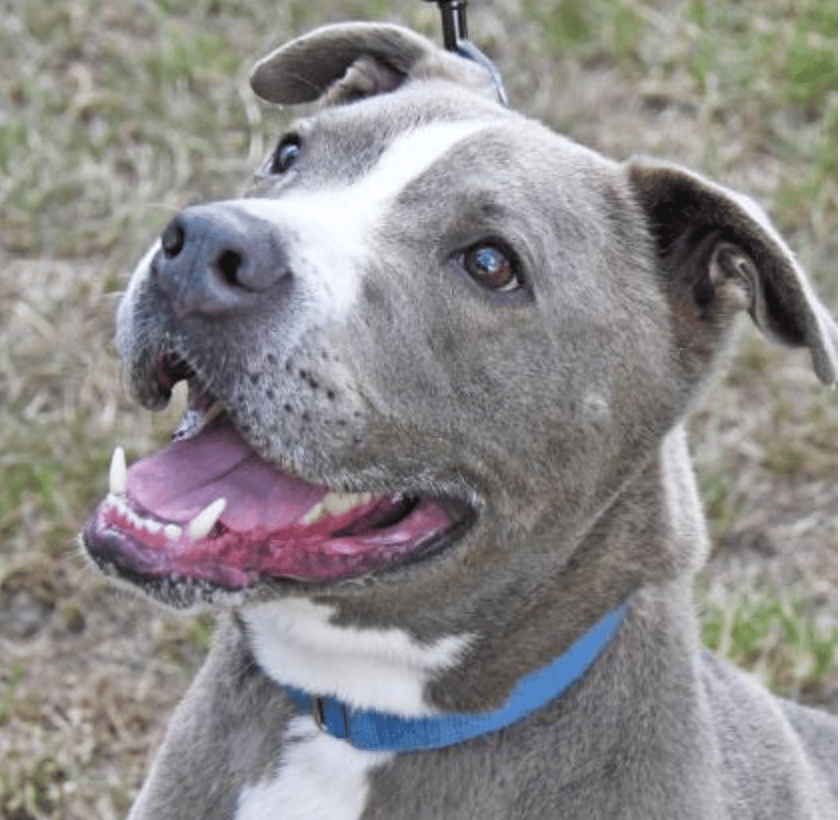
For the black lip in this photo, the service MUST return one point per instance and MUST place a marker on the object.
(176, 593)
(464, 517)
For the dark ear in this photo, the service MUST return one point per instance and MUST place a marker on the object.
(719, 253)
(342, 63)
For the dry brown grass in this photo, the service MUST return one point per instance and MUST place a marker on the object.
(112, 114)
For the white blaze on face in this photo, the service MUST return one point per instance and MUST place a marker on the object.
(330, 230)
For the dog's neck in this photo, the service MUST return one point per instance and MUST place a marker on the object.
(375, 731)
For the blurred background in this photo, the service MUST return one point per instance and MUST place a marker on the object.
(114, 114)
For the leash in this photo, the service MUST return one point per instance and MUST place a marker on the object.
(378, 731)
(455, 38)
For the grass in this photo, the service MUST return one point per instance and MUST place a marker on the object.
(114, 114)
(771, 633)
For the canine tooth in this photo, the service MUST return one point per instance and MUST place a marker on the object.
(118, 478)
(201, 525)
(173, 531)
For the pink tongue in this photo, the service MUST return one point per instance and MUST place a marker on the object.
(183, 478)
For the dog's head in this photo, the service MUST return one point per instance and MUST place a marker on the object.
(429, 349)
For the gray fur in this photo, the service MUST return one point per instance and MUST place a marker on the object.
(556, 412)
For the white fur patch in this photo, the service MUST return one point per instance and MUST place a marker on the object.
(320, 778)
(385, 669)
(330, 229)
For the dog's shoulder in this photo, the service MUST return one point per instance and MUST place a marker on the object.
(777, 758)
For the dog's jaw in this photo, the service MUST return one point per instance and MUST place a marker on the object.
(209, 512)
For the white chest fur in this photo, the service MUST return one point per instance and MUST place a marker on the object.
(296, 644)
(320, 778)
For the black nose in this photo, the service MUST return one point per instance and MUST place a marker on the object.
(218, 258)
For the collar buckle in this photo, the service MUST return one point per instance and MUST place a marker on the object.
(325, 713)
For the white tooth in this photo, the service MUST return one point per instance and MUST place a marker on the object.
(201, 525)
(338, 503)
(118, 503)
(173, 531)
(314, 515)
(118, 478)
(335, 504)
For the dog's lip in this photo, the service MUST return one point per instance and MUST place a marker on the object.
(138, 547)
(251, 519)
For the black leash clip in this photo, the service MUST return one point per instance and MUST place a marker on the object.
(455, 38)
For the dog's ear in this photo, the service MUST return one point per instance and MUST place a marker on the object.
(349, 61)
(719, 254)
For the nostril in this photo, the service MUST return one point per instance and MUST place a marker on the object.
(172, 239)
(216, 258)
(229, 264)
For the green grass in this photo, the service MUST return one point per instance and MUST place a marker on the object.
(769, 632)
(594, 32)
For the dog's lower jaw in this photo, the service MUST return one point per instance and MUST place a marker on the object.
(207, 513)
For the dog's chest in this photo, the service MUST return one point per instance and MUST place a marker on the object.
(295, 642)
(319, 778)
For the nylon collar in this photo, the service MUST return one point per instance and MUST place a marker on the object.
(378, 731)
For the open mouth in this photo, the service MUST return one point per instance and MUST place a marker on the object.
(209, 509)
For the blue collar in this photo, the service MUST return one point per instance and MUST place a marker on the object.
(376, 731)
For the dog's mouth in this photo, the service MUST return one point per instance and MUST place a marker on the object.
(209, 509)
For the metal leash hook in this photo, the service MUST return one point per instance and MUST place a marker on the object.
(455, 38)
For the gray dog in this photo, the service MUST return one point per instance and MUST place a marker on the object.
(433, 473)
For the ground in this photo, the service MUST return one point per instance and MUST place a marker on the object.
(115, 113)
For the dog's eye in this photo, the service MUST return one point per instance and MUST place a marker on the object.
(286, 154)
(491, 267)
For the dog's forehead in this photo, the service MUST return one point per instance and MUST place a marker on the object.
(345, 142)
(331, 219)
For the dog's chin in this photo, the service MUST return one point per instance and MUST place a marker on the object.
(207, 521)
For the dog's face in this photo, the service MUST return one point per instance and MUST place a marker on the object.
(433, 342)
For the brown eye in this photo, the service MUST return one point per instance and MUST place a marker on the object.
(491, 268)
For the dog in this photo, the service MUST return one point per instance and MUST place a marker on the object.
(432, 473)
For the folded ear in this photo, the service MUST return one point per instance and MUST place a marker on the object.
(349, 61)
(719, 254)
